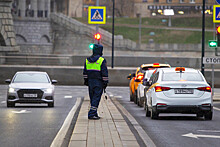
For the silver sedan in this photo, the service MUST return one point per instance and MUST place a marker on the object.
(30, 87)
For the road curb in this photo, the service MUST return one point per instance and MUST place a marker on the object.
(61, 136)
(143, 135)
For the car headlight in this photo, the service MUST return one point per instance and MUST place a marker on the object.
(11, 90)
(49, 90)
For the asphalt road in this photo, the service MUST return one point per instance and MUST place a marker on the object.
(170, 129)
(35, 125)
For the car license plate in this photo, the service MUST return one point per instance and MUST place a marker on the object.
(30, 95)
(183, 91)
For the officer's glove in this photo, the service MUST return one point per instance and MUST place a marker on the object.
(105, 85)
(86, 82)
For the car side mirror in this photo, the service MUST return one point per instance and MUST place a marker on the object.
(129, 77)
(8, 81)
(133, 74)
(54, 81)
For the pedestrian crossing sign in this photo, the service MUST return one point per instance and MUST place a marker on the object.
(216, 13)
(96, 15)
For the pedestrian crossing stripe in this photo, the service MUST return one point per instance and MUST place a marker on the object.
(216, 13)
(96, 15)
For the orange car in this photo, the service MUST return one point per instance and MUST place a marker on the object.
(137, 77)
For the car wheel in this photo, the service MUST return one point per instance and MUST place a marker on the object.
(138, 102)
(10, 104)
(144, 105)
(135, 97)
(154, 114)
(147, 112)
(51, 104)
(208, 116)
(141, 103)
(131, 96)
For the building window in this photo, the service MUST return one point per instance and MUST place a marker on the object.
(181, 1)
(156, 1)
(144, 1)
(192, 1)
(169, 1)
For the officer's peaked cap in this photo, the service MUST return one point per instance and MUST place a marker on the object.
(98, 49)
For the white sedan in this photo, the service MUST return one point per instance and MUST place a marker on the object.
(30, 87)
(179, 90)
(142, 87)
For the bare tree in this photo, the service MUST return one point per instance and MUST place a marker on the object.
(122, 7)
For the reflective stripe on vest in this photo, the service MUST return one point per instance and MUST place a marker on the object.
(96, 65)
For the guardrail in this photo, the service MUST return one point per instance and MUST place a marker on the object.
(36, 60)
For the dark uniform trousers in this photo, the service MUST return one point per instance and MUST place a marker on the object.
(95, 93)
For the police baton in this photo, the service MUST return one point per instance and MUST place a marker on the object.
(105, 95)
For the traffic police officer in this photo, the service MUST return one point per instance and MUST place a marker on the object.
(95, 75)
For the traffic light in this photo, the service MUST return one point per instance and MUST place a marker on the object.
(97, 37)
(213, 43)
(218, 35)
(91, 46)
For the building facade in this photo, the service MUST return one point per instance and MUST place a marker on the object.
(7, 34)
(149, 8)
(32, 26)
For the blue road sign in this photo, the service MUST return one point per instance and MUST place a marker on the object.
(96, 15)
(216, 13)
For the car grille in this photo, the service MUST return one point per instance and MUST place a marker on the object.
(21, 92)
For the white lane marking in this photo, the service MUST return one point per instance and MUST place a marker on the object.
(68, 97)
(3, 102)
(60, 137)
(146, 139)
(216, 108)
(214, 131)
(191, 135)
(111, 95)
(22, 111)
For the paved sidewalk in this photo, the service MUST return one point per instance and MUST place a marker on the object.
(110, 131)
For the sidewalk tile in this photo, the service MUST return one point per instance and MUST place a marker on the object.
(79, 137)
(110, 131)
(77, 143)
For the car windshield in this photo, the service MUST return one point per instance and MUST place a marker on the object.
(177, 76)
(148, 74)
(151, 67)
(31, 78)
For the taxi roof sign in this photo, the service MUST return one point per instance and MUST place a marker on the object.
(180, 69)
(96, 15)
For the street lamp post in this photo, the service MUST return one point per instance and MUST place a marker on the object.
(113, 31)
(203, 36)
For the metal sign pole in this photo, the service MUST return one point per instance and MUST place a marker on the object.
(213, 80)
(113, 32)
(97, 26)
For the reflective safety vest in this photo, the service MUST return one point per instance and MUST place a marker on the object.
(96, 66)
